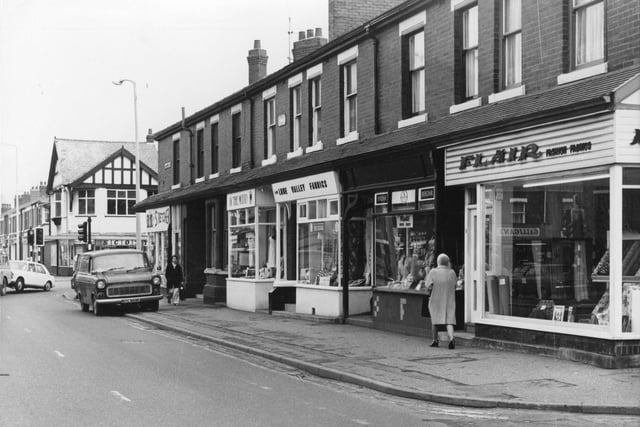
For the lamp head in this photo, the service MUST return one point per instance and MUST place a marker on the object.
(118, 83)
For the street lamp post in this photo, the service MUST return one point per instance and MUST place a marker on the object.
(135, 117)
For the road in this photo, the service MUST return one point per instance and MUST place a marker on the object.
(62, 367)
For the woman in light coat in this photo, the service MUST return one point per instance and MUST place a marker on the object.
(442, 303)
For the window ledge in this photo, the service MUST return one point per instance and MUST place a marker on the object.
(201, 179)
(421, 118)
(582, 73)
(214, 175)
(315, 147)
(465, 105)
(175, 186)
(506, 94)
(235, 170)
(353, 136)
(295, 153)
(269, 161)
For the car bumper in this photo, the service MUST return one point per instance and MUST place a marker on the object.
(130, 300)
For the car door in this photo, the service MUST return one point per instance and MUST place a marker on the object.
(82, 277)
(41, 275)
(30, 276)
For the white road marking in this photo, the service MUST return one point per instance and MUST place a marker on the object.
(27, 330)
(264, 387)
(469, 413)
(363, 422)
(58, 353)
(8, 317)
(120, 396)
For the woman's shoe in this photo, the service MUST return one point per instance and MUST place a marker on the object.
(434, 344)
(452, 344)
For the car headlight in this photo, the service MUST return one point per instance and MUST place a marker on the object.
(156, 280)
(101, 284)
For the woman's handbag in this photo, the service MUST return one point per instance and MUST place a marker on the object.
(175, 295)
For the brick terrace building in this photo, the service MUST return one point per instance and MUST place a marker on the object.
(503, 133)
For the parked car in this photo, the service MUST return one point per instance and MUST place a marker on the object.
(4, 273)
(122, 277)
(21, 275)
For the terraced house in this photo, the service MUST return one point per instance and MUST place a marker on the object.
(502, 132)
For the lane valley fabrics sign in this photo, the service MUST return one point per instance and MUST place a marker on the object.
(158, 219)
(323, 184)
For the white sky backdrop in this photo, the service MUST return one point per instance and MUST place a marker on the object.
(58, 59)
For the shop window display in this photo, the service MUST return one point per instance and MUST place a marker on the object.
(404, 240)
(631, 250)
(252, 242)
(318, 242)
(541, 261)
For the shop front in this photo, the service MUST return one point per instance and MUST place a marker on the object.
(553, 236)
(252, 248)
(392, 229)
(157, 221)
(309, 242)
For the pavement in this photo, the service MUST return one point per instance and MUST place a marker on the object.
(404, 365)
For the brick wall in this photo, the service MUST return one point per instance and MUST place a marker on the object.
(623, 33)
(345, 15)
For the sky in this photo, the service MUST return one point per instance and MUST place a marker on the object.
(58, 59)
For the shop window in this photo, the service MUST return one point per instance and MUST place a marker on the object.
(631, 250)
(544, 242)
(252, 242)
(404, 241)
(512, 43)
(318, 242)
(588, 20)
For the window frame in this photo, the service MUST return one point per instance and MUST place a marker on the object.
(315, 106)
(116, 197)
(349, 102)
(269, 127)
(295, 99)
(214, 140)
(86, 198)
(176, 161)
(236, 139)
(200, 152)
(410, 91)
(508, 33)
(468, 48)
(577, 8)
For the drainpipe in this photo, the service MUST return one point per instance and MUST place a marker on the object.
(191, 165)
(376, 92)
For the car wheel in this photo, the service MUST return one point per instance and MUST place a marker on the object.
(20, 285)
(3, 289)
(97, 311)
(47, 286)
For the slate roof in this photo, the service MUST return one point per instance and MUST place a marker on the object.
(75, 158)
(595, 94)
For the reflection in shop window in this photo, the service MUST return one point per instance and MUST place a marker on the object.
(631, 250)
(544, 243)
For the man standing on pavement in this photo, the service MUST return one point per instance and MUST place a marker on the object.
(174, 277)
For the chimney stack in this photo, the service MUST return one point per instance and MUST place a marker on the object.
(307, 43)
(257, 60)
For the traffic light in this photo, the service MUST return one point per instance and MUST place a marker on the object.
(39, 236)
(82, 232)
(30, 236)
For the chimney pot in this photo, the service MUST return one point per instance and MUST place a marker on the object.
(309, 33)
(318, 32)
(256, 44)
(302, 35)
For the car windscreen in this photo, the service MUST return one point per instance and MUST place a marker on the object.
(125, 261)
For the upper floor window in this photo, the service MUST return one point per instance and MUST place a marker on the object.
(349, 98)
(315, 90)
(200, 152)
(296, 117)
(512, 43)
(120, 202)
(176, 161)
(86, 202)
(415, 73)
(57, 204)
(214, 148)
(270, 127)
(236, 140)
(470, 51)
(588, 31)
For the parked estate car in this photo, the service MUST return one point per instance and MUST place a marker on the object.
(20, 275)
(115, 277)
